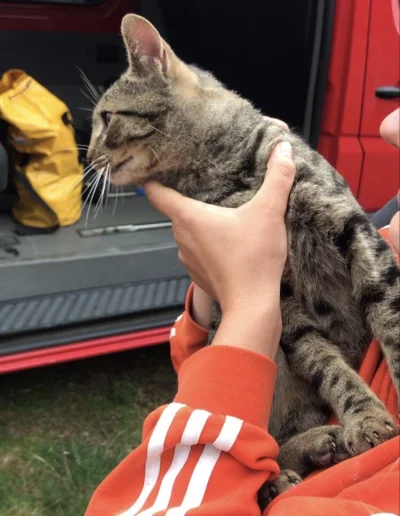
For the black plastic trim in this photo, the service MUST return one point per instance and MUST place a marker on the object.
(320, 68)
(11, 345)
(69, 309)
(388, 92)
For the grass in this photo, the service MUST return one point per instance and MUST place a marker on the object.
(64, 428)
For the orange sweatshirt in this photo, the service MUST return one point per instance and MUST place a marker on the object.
(209, 451)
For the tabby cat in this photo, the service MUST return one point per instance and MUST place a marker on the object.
(341, 285)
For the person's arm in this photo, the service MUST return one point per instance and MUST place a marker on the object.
(188, 335)
(190, 331)
(201, 307)
(209, 451)
(194, 457)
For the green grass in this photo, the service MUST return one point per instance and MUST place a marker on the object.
(64, 428)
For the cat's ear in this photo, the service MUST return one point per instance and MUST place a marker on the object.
(147, 53)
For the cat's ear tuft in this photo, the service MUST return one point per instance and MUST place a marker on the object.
(146, 52)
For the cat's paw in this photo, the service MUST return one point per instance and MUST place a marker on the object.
(328, 448)
(271, 490)
(368, 429)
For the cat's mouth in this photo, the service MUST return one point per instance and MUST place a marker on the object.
(121, 165)
(126, 172)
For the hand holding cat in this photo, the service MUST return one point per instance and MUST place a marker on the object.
(236, 255)
(390, 132)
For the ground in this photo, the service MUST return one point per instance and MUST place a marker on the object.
(63, 428)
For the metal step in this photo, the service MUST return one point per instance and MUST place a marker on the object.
(39, 313)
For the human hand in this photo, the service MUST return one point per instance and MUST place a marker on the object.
(201, 307)
(234, 255)
(237, 255)
(201, 301)
(390, 128)
(276, 121)
(390, 132)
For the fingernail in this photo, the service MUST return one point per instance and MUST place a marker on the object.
(284, 150)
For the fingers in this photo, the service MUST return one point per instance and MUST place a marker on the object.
(275, 191)
(390, 128)
(281, 123)
(276, 121)
(167, 201)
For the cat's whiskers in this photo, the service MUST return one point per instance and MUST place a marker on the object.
(91, 194)
(108, 183)
(169, 136)
(86, 172)
(122, 192)
(116, 199)
(78, 146)
(90, 99)
(154, 152)
(161, 132)
(91, 89)
(85, 188)
(84, 146)
(103, 190)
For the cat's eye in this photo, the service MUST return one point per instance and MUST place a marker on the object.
(106, 117)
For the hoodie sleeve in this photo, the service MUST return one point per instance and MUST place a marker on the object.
(209, 451)
(187, 337)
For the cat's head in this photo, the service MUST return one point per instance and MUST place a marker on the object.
(146, 122)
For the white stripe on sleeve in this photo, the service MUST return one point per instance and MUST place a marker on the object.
(154, 450)
(190, 437)
(205, 466)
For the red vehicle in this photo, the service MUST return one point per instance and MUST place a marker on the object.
(328, 68)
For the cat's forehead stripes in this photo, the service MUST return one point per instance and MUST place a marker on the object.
(126, 99)
(147, 115)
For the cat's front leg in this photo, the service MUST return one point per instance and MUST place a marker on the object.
(313, 357)
(300, 455)
(270, 490)
(318, 447)
(376, 286)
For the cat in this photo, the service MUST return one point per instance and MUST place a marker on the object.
(178, 125)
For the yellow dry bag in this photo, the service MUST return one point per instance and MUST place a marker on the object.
(47, 170)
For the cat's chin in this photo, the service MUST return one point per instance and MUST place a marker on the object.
(131, 171)
(122, 173)
(126, 176)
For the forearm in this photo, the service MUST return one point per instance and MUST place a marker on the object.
(217, 426)
(201, 307)
(257, 328)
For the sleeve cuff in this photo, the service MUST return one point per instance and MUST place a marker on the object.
(230, 381)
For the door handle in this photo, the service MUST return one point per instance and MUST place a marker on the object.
(388, 92)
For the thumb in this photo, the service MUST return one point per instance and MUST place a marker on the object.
(166, 200)
(274, 192)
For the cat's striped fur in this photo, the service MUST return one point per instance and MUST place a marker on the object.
(341, 284)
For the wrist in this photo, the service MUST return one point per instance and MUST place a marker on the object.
(256, 328)
(262, 298)
(201, 307)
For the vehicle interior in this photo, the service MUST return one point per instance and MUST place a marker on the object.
(116, 270)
